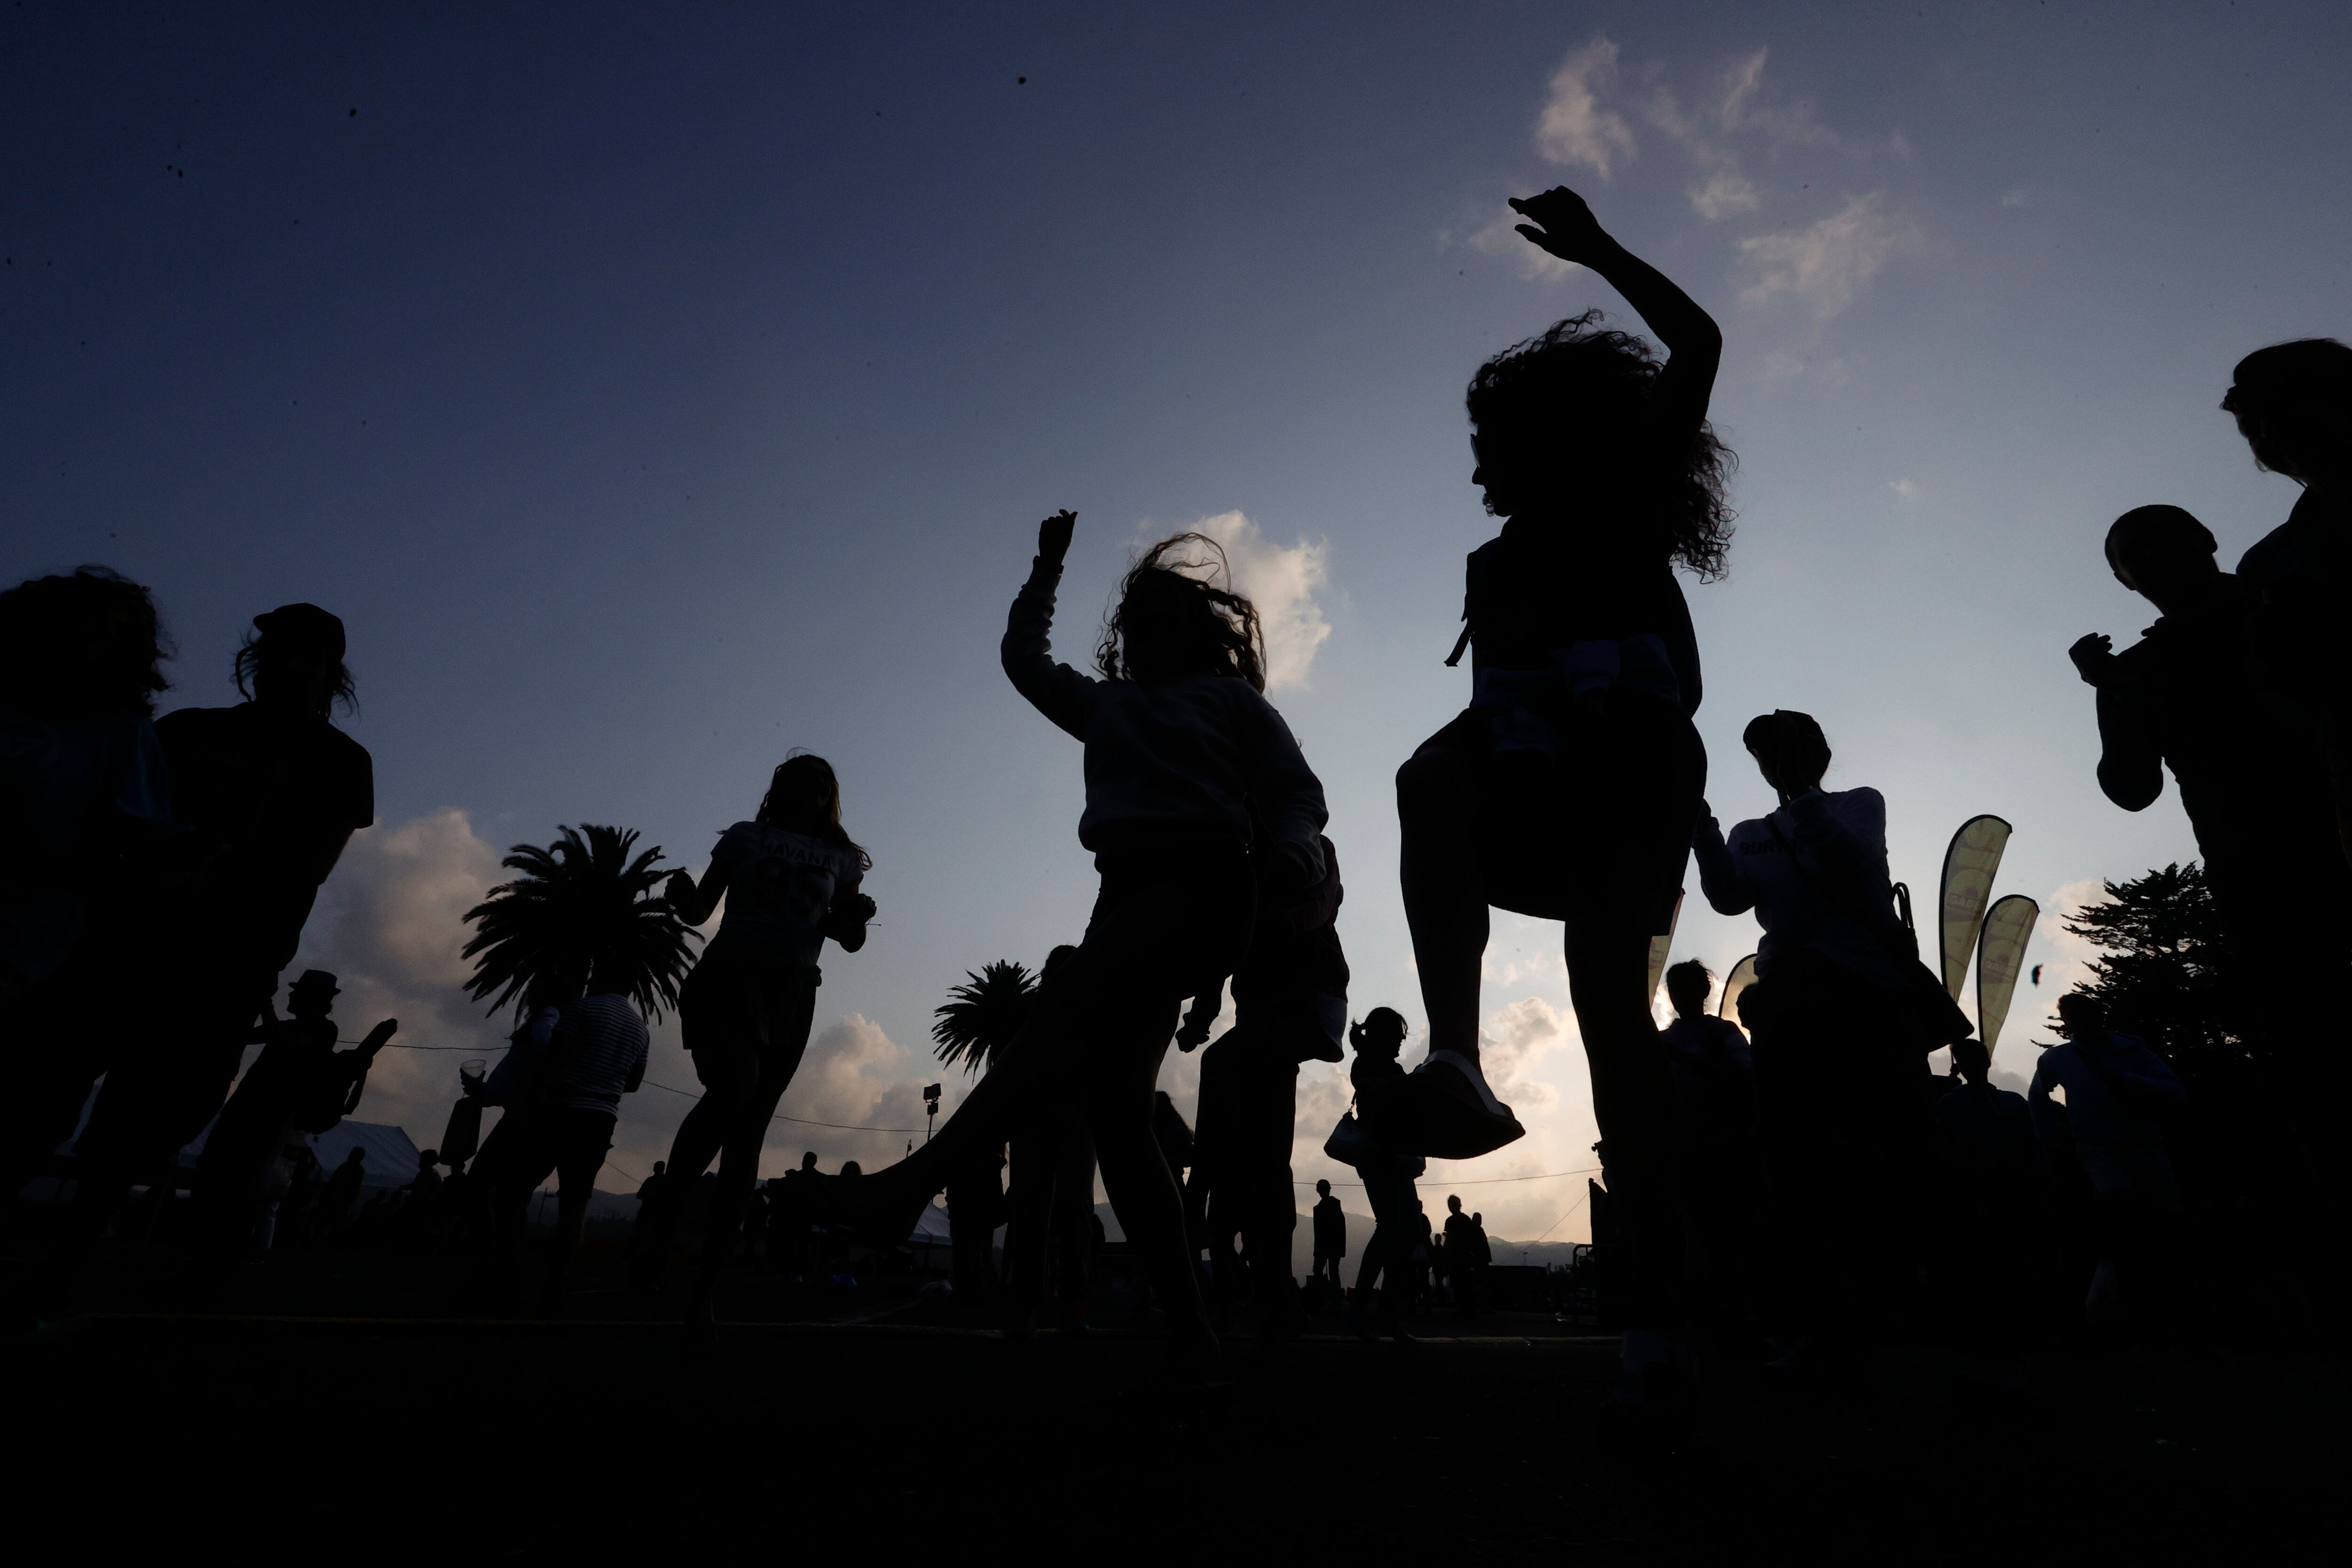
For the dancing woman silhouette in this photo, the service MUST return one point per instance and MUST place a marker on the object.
(1567, 788)
(1181, 749)
(791, 877)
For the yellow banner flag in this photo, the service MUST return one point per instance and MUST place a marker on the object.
(1969, 866)
(1999, 957)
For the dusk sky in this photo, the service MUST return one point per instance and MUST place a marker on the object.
(652, 390)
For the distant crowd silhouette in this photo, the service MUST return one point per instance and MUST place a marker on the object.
(1789, 1194)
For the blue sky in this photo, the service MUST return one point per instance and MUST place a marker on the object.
(652, 390)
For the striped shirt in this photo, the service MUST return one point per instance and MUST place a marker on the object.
(584, 1063)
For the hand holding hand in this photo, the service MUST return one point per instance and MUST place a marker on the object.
(2094, 658)
(1559, 223)
(1053, 537)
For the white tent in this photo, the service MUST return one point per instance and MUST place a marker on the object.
(390, 1157)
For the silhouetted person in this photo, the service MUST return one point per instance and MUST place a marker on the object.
(1290, 1001)
(1567, 789)
(791, 876)
(1182, 752)
(1461, 1256)
(793, 1213)
(1993, 1247)
(562, 1098)
(299, 1083)
(2293, 403)
(2255, 789)
(85, 808)
(275, 790)
(1841, 1082)
(2117, 1094)
(1387, 1177)
(342, 1191)
(1714, 1091)
(1330, 1234)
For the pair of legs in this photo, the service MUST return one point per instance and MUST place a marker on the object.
(1597, 838)
(571, 1142)
(1388, 1255)
(746, 1024)
(1249, 1095)
(1053, 1197)
(1166, 927)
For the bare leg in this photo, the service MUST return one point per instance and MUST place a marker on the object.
(1633, 1099)
(1445, 901)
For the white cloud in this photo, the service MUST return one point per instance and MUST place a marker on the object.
(1502, 237)
(1825, 264)
(390, 924)
(853, 1075)
(1574, 128)
(1724, 193)
(1906, 489)
(1282, 583)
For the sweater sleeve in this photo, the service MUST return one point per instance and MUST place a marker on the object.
(1727, 892)
(2050, 1127)
(1289, 796)
(2131, 762)
(1059, 693)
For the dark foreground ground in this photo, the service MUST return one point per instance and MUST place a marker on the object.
(328, 1408)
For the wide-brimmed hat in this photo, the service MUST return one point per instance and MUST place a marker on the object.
(314, 980)
(306, 625)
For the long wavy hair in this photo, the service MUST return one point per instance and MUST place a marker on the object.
(1176, 615)
(1588, 384)
(805, 778)
(80, 645)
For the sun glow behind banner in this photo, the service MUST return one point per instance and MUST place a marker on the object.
(1969, 866)
(2001, 955)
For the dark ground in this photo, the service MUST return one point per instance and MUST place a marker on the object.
(322, 1405)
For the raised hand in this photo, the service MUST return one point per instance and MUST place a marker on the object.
(2094, 658)
(1561, 223)
(678, 890)
(1053, 536)
(859, 908)
(378, 1036)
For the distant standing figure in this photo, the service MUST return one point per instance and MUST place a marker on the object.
(2117, 1095)
(1398, 1223)
(1331, 1234)
(1715, 1093)
(342, 1191)
(791, 876)
(1461, 1256)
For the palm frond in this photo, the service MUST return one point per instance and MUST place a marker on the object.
(982, 1015)
(577, 905)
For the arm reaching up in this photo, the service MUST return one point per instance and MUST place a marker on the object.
(1560, 224)
(1062, 694)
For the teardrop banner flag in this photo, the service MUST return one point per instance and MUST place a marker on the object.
(2000, 954)
(1742, 975)
(1968, 869)
(1660, 946)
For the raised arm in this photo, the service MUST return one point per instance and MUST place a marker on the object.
(1559, 223)
(1059, 693)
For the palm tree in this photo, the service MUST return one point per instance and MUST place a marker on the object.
(580, 904)
(984, 1014)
